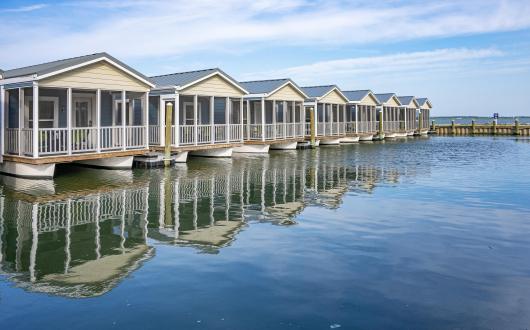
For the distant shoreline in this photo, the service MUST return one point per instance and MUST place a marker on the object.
(477, 117)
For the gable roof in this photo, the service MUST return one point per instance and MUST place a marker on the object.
(422, 102)
(406, 100)
(184, 79)
(358, 96)
(47, 69)
(384, 98)
(269, 86)
(321, 91)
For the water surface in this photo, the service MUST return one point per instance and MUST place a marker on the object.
(414, 233)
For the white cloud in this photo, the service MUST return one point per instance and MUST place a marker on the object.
(406, 64)
(140, 29)
(27, 8)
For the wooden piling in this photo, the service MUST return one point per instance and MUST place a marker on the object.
(419, 122)
(313, 133)
(169, 122)
(517, 127)
(495, 127)
(473, 123)
(433, 126)
(453, 129)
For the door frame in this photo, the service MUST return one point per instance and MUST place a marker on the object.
(78, 97)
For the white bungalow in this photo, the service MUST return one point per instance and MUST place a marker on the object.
(361, 117)
(389, 105)
(208, 107)
(409, 106)
(329, 104)
(425, 114)
(78, 103)
(272, 116)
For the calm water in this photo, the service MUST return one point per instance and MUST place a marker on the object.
(416, 233)
(468, 121)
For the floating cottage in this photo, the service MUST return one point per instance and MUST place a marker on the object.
(425, 114)
(272, 115)
(409, 106)
(389, 107)
(329, 104)
(207, 113)
(90, 110)
(363, 114)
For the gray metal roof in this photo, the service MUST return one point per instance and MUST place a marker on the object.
(405, 100)
(384, 98)
(42, 69)
(317, 91)
(185, 78)
(357, 95)
(422, 101)
(264, 86)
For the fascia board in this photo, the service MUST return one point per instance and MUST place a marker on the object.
(73, 67)
(16, 80)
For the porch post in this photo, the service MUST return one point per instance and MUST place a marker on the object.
(98, 121)
(176, 132)
(344, 118)
(284, 118)
(248, 119)
(162, 121)
(21, 120)
(35, 121)
(212, 120)
(315, 115)
(263, 119)
(69, 120)
(2, 119)
(356, 120)
(293, 117)
(405, 117)
(241, 117)
(146, 119)
(124, 119)
(195, 115)
(227, 119)
(274, 119)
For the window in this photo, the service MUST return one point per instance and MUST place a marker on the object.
(48, 111)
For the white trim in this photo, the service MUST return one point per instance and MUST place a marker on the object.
(47, 75)
(93, 101)
(55, 100)
(198, 115)
(17, 80)
(288, 82)
(179, 88)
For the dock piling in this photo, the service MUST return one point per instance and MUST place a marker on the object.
(433, 126)
(517, 127)
(453, 129)
(495, 127)
(169, 122)
(473, 124)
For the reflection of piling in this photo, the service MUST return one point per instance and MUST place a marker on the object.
(167, 216)
(169, 122)
(313, 135)
(312, 176)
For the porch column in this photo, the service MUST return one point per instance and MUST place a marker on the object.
(274, 119)
(21, 120)
(211, 118)
(241, 117)
(284, 118)
(344, 118)
(293, 117)
(98, 121)
(405, 117)
(315, 115)
(356, 120)
(227, 119)
(248, 119)
(162, 121)
(69, 120)
(124, 119)
(146, 120)
(176, 131)
(195, 115)
(35, 121)
(263, 119)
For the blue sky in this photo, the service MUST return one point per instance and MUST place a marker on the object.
(468, 57)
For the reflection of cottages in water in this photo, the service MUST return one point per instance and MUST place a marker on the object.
(75, 248)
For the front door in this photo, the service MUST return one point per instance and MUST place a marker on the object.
(83, 112)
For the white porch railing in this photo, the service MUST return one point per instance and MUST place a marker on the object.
(334, 128)
(204, 134)
(27, 141)
(83, 139)
(320, 129)
(11, 140)
(289, 130)
(269, 131)
(342, 128)
(307, 129)
(186, 135)
(299, 130)
(255, 132)
(111, 138)
(220, 133)
(328, 129)
(154, 134)
(350, 127)
(279, 131)
(135, 136)
(235, 133)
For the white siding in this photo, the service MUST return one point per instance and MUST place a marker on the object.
(333, 97)
(213, 86)
(286, 93)
(369, 100)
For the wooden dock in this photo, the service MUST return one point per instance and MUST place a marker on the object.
(482, 129)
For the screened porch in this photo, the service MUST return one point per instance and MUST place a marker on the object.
(330, 120)
(45, 122)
